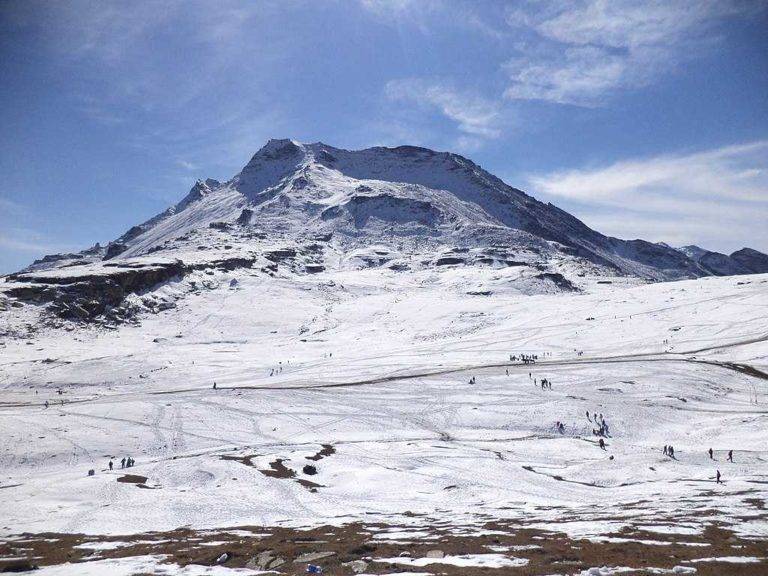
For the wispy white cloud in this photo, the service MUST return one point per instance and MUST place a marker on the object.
(583, 51)
(580, 75)
(427, 15)
(11, 207)
(29, 241)
(115, 33)
(187, 165)
(472, 114)
(739, 172)
(184, 79)
(399, 8)
(718, 195)
(577, 52)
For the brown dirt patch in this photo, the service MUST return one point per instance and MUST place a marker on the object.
(247, 460)
(554, 552)
(278, 470)
(327, 450)
(132, 479)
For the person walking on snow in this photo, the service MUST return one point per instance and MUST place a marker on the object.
(730, 455)
(710, 454)
(122, 462)
(717, 481)
(111, 464)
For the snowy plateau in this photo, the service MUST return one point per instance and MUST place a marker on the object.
(382, 361)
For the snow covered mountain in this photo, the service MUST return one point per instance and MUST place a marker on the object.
(306, 208)
(411, 193)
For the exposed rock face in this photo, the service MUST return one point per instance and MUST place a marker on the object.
(448, 261)
(558, 280)
(92, 254)
(721, 265)
(744, 261)
(756, 262)
(115, 249)
(84, 296)
(245, 217)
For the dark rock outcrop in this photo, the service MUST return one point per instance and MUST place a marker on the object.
(89, 295)
(94, 293)
(754, 261)
(558, 280)
(115, 249)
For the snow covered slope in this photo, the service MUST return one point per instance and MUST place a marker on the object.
(377, 364)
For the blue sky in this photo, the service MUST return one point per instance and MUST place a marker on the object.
(643, 118)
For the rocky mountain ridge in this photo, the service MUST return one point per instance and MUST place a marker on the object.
(310, 208)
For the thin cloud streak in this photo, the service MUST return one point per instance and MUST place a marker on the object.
(30, 242)
(738, 172)
(9, 207)
(718, 195)
(475, 117)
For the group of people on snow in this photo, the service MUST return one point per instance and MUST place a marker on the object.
(602, 423)
(279, 368)
(124, 463)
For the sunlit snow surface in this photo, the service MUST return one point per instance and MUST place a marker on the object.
(378, 365)
(138, 565)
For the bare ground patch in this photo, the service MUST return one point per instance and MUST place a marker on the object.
(544, 551)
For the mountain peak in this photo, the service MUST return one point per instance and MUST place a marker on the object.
(693, 252)
(277, 159)
(277, 148)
